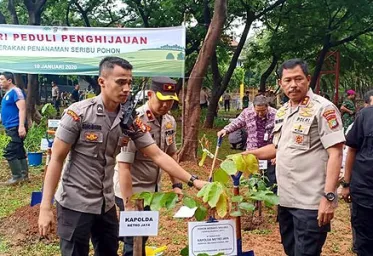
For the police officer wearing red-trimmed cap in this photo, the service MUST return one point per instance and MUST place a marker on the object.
(136, 166)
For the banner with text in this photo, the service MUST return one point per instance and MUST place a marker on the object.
(78, 50)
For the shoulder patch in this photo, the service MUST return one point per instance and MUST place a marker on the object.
(143, 127)
(75, 117)
(331, 118)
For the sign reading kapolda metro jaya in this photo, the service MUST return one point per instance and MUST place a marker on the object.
(78, 50)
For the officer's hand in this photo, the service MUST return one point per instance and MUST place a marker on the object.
(45, 221)
(346, 194)
(21, 131)
(273, 161)
(199, 183)
(129, 207)
(222, 133)
(179, 193)
(326, 212)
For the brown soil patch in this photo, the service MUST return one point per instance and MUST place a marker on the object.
(22, 226)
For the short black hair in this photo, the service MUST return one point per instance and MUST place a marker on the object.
(292, 63)
(8, 76)
(110, 62)
(367, 96)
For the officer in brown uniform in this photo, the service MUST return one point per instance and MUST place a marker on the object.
(136, 166)
(91, 131)
(308, 140)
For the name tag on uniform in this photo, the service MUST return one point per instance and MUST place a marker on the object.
(138, 223)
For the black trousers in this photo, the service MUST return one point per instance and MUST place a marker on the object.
(128, 240)
(270, 173)
(227, 105)
(300, 233)
(15, 148)
(75, 228)
(361, 220)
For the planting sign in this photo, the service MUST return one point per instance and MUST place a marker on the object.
(78, 50)
(212, 238)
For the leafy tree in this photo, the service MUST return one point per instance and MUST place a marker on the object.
(248, 11)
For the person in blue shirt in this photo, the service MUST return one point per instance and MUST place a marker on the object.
(13, 115)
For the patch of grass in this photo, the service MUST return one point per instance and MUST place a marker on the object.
(4, 248)
(261, 231)
(41, 249)
(19, 195)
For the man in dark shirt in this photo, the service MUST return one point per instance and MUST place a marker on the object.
(358, 178)
(245, 100)
(75, 94)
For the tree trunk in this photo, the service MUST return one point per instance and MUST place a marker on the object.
(210, 116)
(18, 79)
(267, 73)
(222, 85)
(31, 98)
(192, 108)
(2, 18)
(320, 61)
(34, 9)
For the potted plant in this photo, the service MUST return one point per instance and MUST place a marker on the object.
(36, 133)
(32, 143)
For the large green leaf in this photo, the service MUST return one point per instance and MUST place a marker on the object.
(215, 193)
(157, 201)
(189, 202)
(170, 200)
(203, 190)
(267, 196)
(147, 197)
(251, 164)
(185, 251)
(246, 206)
(200, 213)
(236, 214)
(237, 199)
(222, 206)
(229, 167)
(221, 176)
(239, 161)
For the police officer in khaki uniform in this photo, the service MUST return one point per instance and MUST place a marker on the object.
(139, 168)
(308, 140)
(90, 130)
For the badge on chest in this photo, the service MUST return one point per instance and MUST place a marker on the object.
(92, 136)
(169, 137)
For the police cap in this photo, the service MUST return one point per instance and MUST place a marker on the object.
(164, 88)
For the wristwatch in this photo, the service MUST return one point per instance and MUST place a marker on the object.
(330, 196)
(177, 185)
(193, 178)
(345, 184)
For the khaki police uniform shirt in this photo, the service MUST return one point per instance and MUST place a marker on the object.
(302, 136)
(87, 179)
(146, 175)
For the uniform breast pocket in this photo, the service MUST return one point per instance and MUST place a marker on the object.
(89, 143)
(300, 137)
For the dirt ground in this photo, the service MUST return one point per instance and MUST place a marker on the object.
(21, 227)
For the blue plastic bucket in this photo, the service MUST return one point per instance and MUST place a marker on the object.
(35, 158)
